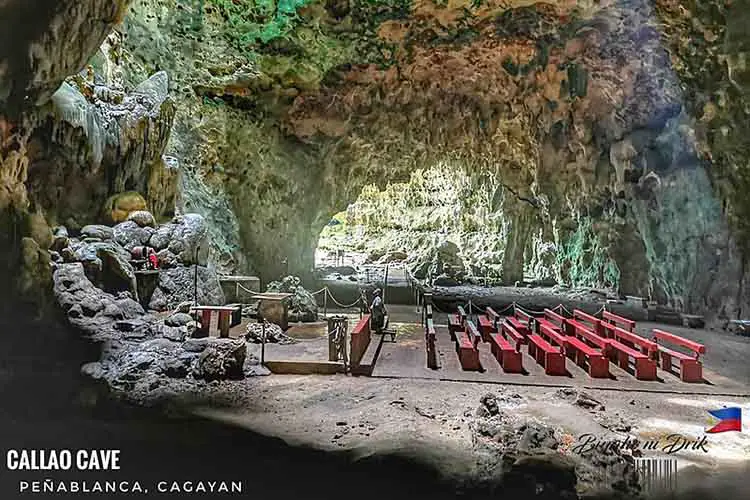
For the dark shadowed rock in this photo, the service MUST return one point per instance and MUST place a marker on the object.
(221, 359)
(130, 235)
(97, 231)
(178, 319)
(177, 285)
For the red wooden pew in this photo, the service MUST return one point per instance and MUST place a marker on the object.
(473, 333)
(456, 322)
(360, 339)
(553, 335)
(517, 324)
(506, 354)
(493, 316)
(513, 336)
(550, 357)
(614, 319)
(630, 339)
(583, 332)
(593, 322)
(578, 345)
(552, 320)
(691, 369)
(522, 316)
(624, 350)
(468, 355)
(486, 327)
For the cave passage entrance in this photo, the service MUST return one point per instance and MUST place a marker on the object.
(443, 220)
(402, 222)
(464, 225)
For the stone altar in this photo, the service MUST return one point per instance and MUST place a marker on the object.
(274, 307)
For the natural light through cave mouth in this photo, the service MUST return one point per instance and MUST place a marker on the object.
(454, 226)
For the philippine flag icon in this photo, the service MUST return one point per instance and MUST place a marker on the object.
(730, 420)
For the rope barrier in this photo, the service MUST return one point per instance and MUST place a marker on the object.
(531, 312)
(358, 301)
(324, 289)
(472, 307)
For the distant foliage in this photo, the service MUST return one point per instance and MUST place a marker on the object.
(258, 21)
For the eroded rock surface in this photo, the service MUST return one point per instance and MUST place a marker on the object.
(532, 459)
(140, 352)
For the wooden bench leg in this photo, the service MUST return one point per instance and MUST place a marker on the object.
(645, 369)
(598, 367)
(554, 364)
(532, 350)
(495, 351)
(224, 318)
(666, 361)
(580, 358)
(205, 328)
(691, 370)
(540, 356)
(452, 330)
(511, 362)
(623, 360)
(469, 359)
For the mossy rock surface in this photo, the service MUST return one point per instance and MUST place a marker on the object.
(118, 207)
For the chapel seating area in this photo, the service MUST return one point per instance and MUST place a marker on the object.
(594, 342)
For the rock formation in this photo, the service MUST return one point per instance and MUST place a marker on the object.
(67, 146)
(573, 118)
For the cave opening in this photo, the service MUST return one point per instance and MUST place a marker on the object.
(454, 225)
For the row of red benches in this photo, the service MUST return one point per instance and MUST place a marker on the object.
(590, 342)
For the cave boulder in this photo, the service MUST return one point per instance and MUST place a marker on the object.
(97, 231)
(117, 273)
(161, 237)
(220, 359)
(60, 239)
(441, 261)
(176, 285)
(90, 309)
(119, 206)
(143, 218)
(106, 264)
(130, 235)
(189, 239)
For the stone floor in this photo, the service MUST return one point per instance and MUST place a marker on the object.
(725, 370)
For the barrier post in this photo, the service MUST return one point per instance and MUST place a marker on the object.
(385, 281)
(263, 342)
(325, 303)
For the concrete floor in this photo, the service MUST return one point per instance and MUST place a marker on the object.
(726, 370)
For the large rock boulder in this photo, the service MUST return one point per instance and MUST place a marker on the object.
(532, 459)
(107, 265)
(186, 237)
(442, 261)
(97, 231)
(177, 285)
(130, 235)
(218, 359)
(143, 218)
(120, 206)
(95, 312)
